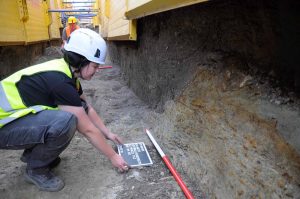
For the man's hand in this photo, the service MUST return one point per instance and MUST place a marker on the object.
(115, 138)
(119, 162)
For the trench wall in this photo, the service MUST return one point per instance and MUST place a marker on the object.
(257, 38)
(225, 75)
(13, 58)
(261, 37)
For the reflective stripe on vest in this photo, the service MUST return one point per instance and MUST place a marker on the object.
(22, 112)
(4, 104)
(11, 104)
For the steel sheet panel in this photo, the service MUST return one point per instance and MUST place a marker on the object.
(137, 9)
(55, 21)
(118, 26)
(36, 26)
(11, 25)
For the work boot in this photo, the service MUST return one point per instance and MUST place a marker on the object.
(44, 179)
(52, 164)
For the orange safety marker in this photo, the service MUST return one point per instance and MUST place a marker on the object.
(186, 191)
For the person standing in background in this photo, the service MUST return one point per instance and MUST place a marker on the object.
(72, 25)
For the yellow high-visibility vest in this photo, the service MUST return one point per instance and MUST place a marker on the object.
(11, 104)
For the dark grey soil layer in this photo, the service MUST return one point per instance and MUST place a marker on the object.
(259, 37)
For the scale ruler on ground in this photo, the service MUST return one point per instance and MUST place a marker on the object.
(135, 154)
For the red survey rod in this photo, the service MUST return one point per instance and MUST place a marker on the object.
(104, 67)
(186, 191)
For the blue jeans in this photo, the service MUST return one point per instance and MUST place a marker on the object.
(43, 136)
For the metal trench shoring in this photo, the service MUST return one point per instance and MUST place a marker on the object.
(78, 9)
(73, 10)
(82, 15)
(66, 2)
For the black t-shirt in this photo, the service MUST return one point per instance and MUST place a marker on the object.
(49, 88)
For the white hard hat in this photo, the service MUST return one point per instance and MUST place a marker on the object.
(87, 43)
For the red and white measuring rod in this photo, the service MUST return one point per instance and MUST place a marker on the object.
(186, 191)
(104, 67)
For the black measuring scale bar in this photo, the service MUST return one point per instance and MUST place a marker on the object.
(135, 154)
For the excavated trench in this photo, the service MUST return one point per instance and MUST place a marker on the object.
(217, 85)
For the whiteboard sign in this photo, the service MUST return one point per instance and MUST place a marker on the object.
(135, 154)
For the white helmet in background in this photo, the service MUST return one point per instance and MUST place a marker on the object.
(87, 43)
